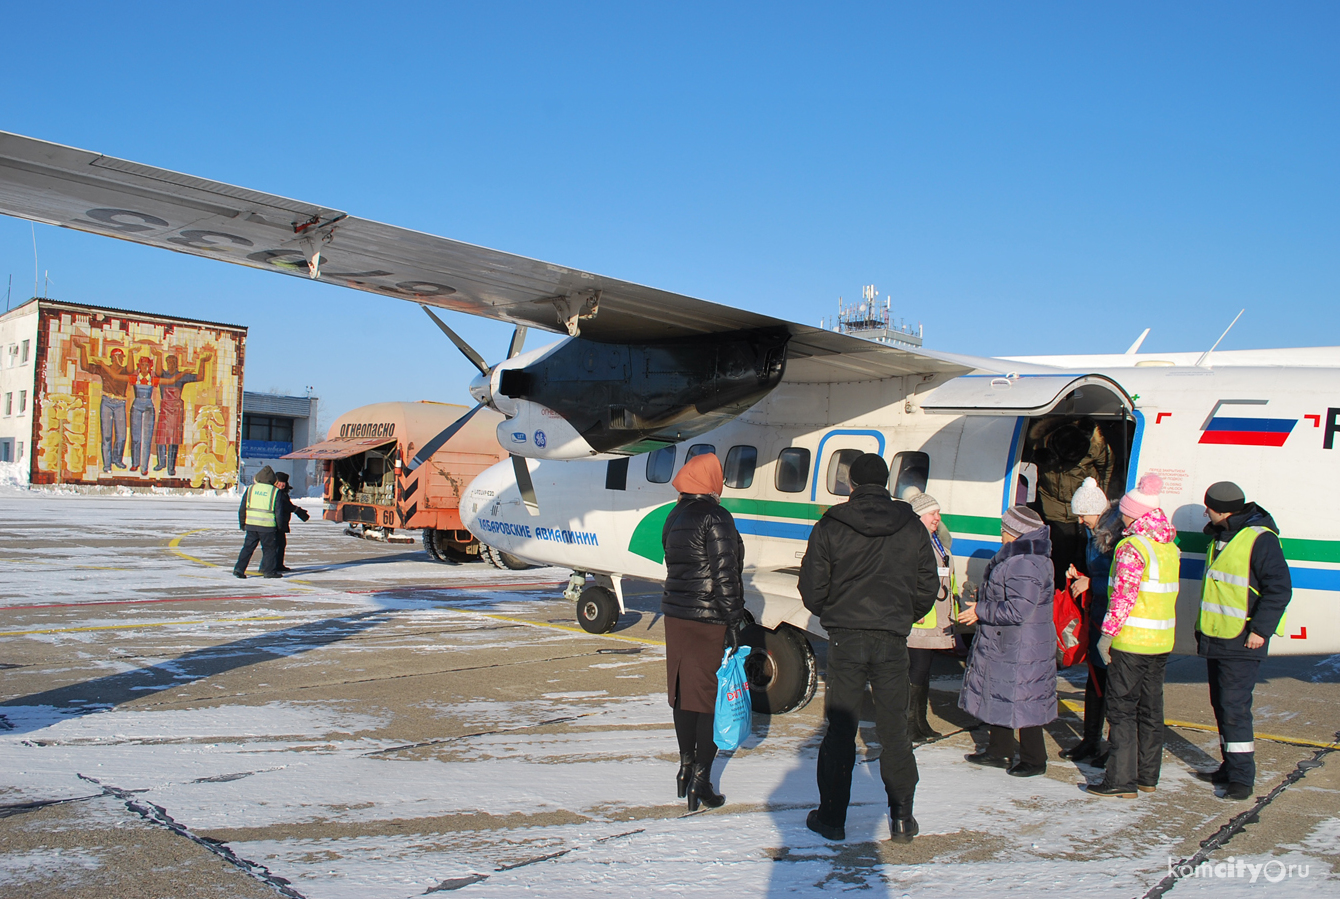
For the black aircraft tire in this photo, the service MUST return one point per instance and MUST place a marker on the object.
(783, 674)
(597, 610)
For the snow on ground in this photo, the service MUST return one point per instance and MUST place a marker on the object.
(369, 818)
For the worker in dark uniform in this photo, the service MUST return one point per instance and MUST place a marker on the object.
(285, 509)
(257, 517)
(1243, 599)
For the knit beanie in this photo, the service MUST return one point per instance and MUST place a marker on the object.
(1144, 498)
(265, 476)
(868, 469)
(1088, 499)
(1225, 496)
(700, 475)
(1019, 520)
(921, 502)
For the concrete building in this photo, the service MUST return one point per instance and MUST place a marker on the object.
(273, 426)
(18, 350)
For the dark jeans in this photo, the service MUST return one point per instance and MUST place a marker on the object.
(1095, 700)
(1135, 719)
(855, 658)
(1231, 685)
(266, 539)
(281, 544)
(919, 666)
(1032, 746)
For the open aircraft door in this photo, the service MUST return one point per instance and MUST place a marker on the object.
(1029, 395)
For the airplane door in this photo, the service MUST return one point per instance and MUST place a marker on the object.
(830, 482)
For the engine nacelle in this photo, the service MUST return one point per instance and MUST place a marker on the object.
(579, 398)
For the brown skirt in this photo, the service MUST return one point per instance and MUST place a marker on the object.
(692, 656)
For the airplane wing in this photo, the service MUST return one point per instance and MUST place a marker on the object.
(87, 191)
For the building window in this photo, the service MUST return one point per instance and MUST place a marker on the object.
(793, 469)
(740, 462)
(9, 404)
(12, 355)
(660, 465)
(270, 428)
(6, 450)
(24, 354)
(18, 456)
(23, 401)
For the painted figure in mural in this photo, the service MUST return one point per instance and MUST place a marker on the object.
(112, 410)
(171, 409)
(142, 414)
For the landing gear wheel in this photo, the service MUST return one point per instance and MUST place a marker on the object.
(597, 610)
(781, 669)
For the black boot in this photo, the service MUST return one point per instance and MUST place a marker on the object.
(685, 772)
(918, 728)
(700, 790)
(902, 826)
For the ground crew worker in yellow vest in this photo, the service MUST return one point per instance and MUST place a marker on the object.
(936, 629)
(1244, 595)
(258, 517)
(1138, 633)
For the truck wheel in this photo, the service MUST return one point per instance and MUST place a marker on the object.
(597, 610)
(505, 561)
(430, 545)
(781, 669)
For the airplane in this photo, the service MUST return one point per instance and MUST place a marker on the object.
(598, 422)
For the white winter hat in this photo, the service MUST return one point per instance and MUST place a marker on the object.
(1088, 499)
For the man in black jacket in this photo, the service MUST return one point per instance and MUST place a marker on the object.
(1245, 592)
(869, 572)
(285, 509)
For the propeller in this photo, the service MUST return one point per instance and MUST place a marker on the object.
(524, 484)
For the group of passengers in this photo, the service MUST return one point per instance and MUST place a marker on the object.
(878, 574)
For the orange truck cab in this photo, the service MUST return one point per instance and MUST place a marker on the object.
(368, 483)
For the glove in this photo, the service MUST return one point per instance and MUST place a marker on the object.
(733, 632)
(1105, 648)
(302, 513)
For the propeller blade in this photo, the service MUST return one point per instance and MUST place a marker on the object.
(518, 341)
(469, 351)
(425, 452)
(525, 484)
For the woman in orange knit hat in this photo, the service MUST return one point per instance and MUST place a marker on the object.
(703, 606)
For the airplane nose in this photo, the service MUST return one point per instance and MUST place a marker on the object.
(480, 389)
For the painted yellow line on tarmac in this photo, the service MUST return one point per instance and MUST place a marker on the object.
(120, 627)
(63, 565)
(1078, 709)
(175, 542)
(555, 627)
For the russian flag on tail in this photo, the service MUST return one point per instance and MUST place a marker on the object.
(1236, 430)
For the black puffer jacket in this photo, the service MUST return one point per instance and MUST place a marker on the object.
(1270, 582)
(870, 565)
(704, 561)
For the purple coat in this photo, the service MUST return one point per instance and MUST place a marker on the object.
(1011, 675)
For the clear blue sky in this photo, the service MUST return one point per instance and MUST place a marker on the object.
(1022, 178)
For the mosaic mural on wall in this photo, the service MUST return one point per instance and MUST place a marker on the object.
(125, 399)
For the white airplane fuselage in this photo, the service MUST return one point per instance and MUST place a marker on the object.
(1270, 428)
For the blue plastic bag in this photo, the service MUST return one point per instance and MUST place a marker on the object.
(734, 713)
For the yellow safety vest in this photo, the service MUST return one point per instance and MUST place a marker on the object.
(945, 569)
(1151, 628)
(261, 499)
(1225, 593)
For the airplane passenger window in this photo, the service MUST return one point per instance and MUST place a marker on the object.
(699, 449)
(793, 469)
(740, 462)
(660, 465)
(907, 471)
(616, 475)
(839, 467)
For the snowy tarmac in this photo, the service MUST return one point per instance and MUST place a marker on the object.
(379, 725)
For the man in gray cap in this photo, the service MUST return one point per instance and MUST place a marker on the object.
(1244, 595)
(869, 572)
